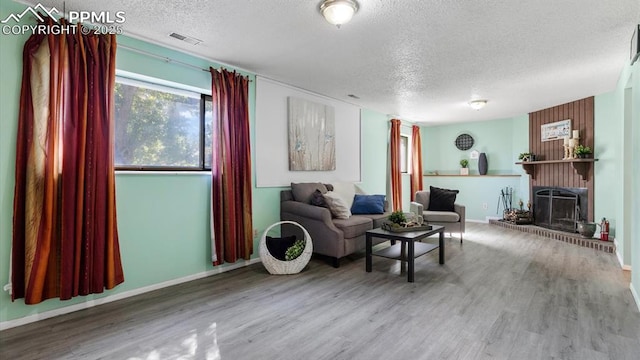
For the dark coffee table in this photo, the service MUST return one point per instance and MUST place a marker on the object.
(409, 241)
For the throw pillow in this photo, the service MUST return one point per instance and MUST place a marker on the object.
(337, 205)
(278, 246)
(346, 190)
(317, 199)
(303, 192)
(441, 199)
(368, 204)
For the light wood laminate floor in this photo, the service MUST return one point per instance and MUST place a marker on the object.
(502, 294)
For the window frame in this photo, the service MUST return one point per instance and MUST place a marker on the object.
(404, 160)
(169, 87)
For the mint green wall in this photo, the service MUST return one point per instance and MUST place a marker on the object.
(163, 219)
(502, 140)
(375, 130)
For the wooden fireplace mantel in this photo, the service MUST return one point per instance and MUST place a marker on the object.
(581, 166)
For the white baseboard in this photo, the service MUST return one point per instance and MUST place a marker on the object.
(123, 295)
(477, 221)
(636, 297)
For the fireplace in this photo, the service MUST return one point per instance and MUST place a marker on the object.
(559, 208)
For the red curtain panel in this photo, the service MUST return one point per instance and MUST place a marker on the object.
(396, 173)
(65, 239)
(416, 161)
(232, 230)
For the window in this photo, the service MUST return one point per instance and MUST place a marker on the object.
(161, 128)
(404, 154)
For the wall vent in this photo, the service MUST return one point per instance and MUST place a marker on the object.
(188, 39)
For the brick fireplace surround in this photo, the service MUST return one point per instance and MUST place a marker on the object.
(562, 174)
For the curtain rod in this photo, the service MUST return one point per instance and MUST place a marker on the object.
(165, 58)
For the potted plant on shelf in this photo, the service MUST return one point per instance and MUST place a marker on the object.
(582, 151)
(527, 156)
(464, 170)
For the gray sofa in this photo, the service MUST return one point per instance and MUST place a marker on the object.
(453, 221)
(335, 238)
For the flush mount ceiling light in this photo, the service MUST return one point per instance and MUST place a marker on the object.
(477, 104)
(338, 12)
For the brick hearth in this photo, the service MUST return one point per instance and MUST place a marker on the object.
(606, 246)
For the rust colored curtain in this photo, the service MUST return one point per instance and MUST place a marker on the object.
(231, 225)
(416, 161)
(65, 240)
(395, 159)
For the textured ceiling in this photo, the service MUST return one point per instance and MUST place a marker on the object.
(420, 60)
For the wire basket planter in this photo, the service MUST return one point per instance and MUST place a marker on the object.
(279, 267)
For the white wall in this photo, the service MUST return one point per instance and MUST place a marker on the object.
(272, 158)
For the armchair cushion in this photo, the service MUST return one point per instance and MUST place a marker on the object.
(368, 204)
(441, 216)
(442, 199)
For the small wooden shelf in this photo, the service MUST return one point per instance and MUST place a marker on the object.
(581, 166)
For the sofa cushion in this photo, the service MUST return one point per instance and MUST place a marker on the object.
(354, 226)
(346, 190)
(441, 216)
(368, 204)
(378, 219)
(303, 192)
(441, 199)
(317, 199)
(337, 205)
(278, 246)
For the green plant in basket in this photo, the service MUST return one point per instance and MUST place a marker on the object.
(294, 250)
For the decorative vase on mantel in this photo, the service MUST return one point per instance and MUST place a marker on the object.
(483, 165)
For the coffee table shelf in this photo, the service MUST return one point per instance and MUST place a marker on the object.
(395, 251)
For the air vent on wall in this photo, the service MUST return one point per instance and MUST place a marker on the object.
(188, 39)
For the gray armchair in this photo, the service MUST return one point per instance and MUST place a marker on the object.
(452, 221)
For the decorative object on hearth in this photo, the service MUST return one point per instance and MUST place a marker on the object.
(520, 203)
(276, 266)
(582, 152)
(604, 230)
(464, 170)
(464, 142)
(518, 217)
(586, 229)
(506, 200)
(483, 165)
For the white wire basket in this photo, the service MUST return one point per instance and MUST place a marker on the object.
(279, 267)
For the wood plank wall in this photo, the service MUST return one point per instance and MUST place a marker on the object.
(563, 175)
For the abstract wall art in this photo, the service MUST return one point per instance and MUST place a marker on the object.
(312, 144)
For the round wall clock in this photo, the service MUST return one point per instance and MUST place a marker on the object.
(464, 142)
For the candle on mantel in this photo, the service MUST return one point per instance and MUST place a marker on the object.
(573, 142)
(566, 140)
(576, 134)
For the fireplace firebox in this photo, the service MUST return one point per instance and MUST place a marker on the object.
(560, 208)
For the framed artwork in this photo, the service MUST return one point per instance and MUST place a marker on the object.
(555, 130)
(312, 136)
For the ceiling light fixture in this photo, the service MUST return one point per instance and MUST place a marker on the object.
(338, 12)
(477, 104)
